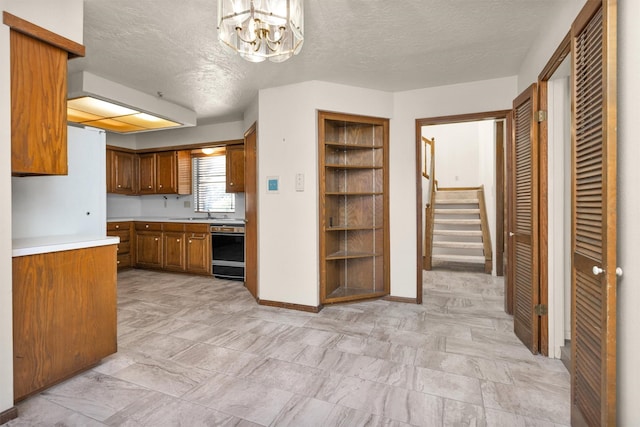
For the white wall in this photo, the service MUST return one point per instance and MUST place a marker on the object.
(287, 132)
(473, 97)
(457, 153)
(548, 40)
(64, 17)
(68, 204)
(628, 212)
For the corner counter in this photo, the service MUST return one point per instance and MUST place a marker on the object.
(47, 244)
(64, 308)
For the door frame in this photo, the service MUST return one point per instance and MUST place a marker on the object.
(251, 215)
(441, 120)
(563, 49)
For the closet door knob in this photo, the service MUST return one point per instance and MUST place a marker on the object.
(597, 270)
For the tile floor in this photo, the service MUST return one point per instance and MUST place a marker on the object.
(195, 351)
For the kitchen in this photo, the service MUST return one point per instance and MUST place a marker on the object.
(287, 129)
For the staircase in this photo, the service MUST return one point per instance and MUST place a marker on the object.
(457, 229)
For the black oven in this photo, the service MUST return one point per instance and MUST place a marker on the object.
(227, 251)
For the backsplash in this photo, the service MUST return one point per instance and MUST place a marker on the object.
(170, 205)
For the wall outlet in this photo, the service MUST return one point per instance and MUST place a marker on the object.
(187, 204)
(299, 182)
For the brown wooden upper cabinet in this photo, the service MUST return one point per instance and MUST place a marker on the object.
(38, 98)
(235, 168)
(121, 171)
(165, 172)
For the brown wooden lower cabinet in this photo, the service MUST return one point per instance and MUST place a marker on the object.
(124, 231)
(181, 247)
(64, 315)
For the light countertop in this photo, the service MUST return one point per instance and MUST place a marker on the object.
(194, 219)
(46, 244)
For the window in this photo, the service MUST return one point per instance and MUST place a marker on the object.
(209, 185)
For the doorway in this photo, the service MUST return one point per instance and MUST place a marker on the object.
(496, 172)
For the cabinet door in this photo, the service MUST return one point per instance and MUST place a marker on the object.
(149, 249)
(38, 107)
(123, 166)
(199, 253)
(235, 168)
(166, 172)
(174, 251)
(147, 176)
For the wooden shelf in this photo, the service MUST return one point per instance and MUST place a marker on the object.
(350, 255)
(343, 146)
(338, 167)
(354, 207)
(353, 193)
(353, 228)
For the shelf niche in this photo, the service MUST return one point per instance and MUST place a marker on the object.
(354, 207)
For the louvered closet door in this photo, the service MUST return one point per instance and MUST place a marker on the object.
(525, 242)
(593, 379)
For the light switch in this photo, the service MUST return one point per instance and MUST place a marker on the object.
(299, 182)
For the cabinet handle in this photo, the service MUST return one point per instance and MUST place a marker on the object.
(149, 186)
(119, 186)
(117, 262)
(177, 240)
(156, 239)
(146, 226)
(231, 184)
(160, 185)
(117, 227)
(189, 241)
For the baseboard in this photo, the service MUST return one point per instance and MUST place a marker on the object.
(290, 306)
(401, 299)
(8, 415)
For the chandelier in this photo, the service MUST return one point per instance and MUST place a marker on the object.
(262, 29)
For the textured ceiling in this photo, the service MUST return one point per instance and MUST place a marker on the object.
(171, 47)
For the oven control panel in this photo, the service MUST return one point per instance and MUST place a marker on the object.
(227, 229)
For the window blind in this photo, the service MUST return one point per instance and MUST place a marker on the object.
(209, 185)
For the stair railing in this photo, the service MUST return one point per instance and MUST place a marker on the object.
(486, 236)
(429, 172)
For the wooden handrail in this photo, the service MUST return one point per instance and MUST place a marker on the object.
(486, 236)
(429, 210)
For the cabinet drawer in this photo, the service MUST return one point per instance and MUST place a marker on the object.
(177, 227)
(124, 260)
(196, 228)
(148, 226)
(124, 236)
(124, 248)
(117, 226)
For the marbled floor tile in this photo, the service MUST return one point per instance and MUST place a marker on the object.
(218, 359)
(166, 411)
(459, 319)
(474, 367)
(497, 418)
(38, 411)
(308, 336)
(352, 329)
(95, 395)
(240, 397)
(164, 376)
(334, 361)
(341, 416)
(276, 348)
(444, 384)
(287, 376)
(509, 353)
(390, 373)
(540, 378)
(138, 319)
(409, 338)
(304, 411)
(527, 401)
(495, 337)
(463, 414)
(158, 345)
(202, 314)
(390, 402)
(379, 349)
(272, 314)
(431, 328)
